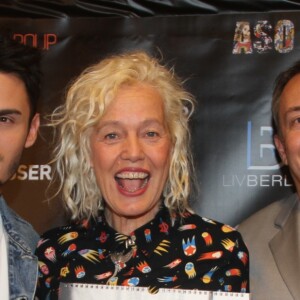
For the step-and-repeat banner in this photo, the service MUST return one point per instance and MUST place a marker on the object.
(230, 62)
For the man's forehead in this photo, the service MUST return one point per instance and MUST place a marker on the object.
(13, 93)
(290, 97)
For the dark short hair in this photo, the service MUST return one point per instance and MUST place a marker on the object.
(24, 62)
(280, 82)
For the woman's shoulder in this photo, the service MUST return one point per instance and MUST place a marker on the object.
(63, 232)
(208, 235)
(204, 224)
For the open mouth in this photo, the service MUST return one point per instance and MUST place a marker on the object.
(132, 182)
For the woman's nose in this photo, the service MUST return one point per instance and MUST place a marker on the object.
(132, 149)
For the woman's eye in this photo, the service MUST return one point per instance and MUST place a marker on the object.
(111, 136)
(152, 134)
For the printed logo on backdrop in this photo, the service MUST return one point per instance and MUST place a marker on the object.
(263, 37)
(261, 165)
(41, 41)
(33, 173)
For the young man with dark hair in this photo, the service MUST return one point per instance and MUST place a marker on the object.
(19, 123)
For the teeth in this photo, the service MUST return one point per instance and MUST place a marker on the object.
(132, 175)
(132, 181)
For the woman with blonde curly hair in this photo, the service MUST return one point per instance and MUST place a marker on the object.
(124, 167)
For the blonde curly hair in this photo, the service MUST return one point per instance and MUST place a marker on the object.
(87, 100)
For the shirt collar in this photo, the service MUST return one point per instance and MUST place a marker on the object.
(145, 238)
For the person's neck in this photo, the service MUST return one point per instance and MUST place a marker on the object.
(127, 225)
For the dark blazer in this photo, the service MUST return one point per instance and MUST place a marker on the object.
(272, 236)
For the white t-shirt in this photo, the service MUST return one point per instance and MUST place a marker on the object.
(4, 287)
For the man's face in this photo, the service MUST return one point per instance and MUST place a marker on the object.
(15, 130)
(288, 142)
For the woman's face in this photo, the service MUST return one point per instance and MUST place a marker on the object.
(130, 155)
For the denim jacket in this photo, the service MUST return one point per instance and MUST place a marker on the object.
(22, 263)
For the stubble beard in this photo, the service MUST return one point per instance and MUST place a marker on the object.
(11, 170)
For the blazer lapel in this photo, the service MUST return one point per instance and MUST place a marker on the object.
(285, 245)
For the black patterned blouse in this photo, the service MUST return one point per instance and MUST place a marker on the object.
(193, 253)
